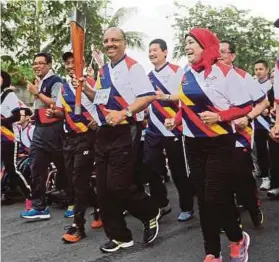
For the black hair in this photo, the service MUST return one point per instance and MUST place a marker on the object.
(6, 79)
(160, 42)
(262, 61)
(232, 46)
(47, 57)
(67, 55)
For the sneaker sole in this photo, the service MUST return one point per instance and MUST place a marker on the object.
(264, 189)
(38, 217)
(122, 245)
(247, 245)
(69, 216)
(272, 195)
(66, 241)
(157, 229)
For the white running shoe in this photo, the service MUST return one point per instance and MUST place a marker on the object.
(273, 192)
(265, 186)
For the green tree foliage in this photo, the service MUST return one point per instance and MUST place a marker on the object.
(254, 36)
(29, 26)
(134, 38)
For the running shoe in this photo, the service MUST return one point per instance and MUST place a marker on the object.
(239, 250)
(151, 229)
(73, 234)
(34, 214)
(185, 216)
(113, 245)
(69, 212)
(265, 186)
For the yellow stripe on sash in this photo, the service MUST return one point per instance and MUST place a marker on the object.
(7, 133)
(81, 126)
(218, 129)
(186, 100)
(66, 106)
(170, 111)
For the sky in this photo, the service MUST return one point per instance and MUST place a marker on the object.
(151, 19)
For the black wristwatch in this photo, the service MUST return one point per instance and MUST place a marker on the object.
(250, 120)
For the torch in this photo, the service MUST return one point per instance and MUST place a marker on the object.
(78, 37)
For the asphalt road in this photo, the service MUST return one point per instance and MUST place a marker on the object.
(176, 242)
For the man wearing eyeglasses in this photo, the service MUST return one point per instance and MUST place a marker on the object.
(46, 145)
(244, 182)
(121, 93)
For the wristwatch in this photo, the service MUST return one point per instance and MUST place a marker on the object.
(250, 120)
(128, 112)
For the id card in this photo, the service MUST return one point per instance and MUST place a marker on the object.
(101, 96)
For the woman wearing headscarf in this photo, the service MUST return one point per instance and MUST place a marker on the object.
(211, 96)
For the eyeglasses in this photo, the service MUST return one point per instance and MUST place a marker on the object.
(113, 40)
(39, 63)
(225, 52)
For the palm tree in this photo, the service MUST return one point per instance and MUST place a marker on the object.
(134, 38)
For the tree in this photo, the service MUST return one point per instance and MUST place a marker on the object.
(134, 38)
(28, 27)
(253, 36)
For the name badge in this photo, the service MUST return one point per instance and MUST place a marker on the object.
(101, 96)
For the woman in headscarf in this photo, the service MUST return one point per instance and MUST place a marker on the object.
(211, 96)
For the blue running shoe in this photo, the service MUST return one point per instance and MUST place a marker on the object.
(185, 216)
(69, 212)
(34, 214)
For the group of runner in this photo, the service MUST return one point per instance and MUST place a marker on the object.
(207, 120)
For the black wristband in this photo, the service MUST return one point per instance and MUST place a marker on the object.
(250, 120)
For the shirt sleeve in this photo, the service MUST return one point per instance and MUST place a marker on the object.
(238, 97)
(254, 89)
(16, 132)
(140, 82)
(55, 90)
(59, 99)
(177, 81)
(13, 101)
(235, 91)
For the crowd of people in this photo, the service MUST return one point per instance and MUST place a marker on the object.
(215, 125)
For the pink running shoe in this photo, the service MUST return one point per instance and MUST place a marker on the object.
(28, 204)
(239, 251)
(211, 258)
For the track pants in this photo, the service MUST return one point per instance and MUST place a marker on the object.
(79, 159)
(210, 162)
(244, 182)
(261, 143)
(155, 163)
(116, 187)
(16, 178)
(274, 160)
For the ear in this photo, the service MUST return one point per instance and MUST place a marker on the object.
(166, 53)
(233, 57)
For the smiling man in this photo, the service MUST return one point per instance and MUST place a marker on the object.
(46, 146)
(262, 126)
(245, 184)
(122, 92)
(166, 78)
(78, 148)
